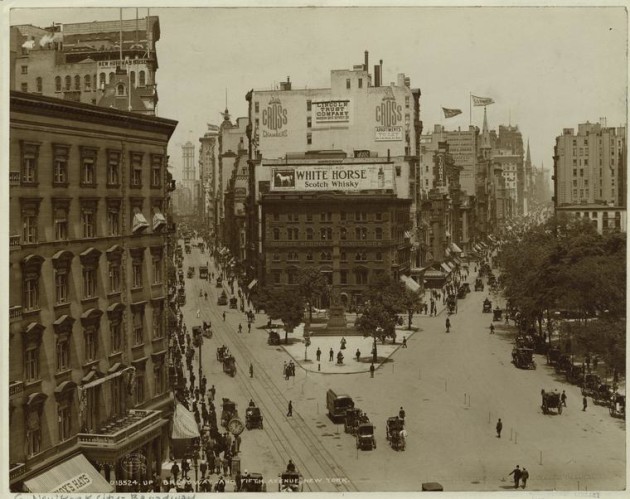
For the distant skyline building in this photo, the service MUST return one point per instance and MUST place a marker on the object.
(82, 62)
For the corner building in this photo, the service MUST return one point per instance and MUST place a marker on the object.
(88, 297)
(311, 151)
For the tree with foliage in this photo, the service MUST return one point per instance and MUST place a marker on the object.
(411, 302)
(286, 305)
(311, 284)
(384, 301)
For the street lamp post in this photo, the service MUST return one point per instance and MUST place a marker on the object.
(379, 332)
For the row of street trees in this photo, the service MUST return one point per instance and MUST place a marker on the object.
(564, 266)
(385, 300)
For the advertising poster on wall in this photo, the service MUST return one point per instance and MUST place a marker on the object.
(388, 133)
(331, 112)
(355, 177)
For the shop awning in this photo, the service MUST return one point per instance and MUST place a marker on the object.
(74, 475)
(434, 274)
(454, 248)
(446, 268)
(410, 283)
(184, 424)
(252, 284)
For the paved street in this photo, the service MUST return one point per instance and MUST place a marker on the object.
(453, 388)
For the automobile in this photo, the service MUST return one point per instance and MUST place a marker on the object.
(603, 394)
(497, 314)
(590, 384)
(222, 299)
(575, 373)
(551, 401)
(487, 306)
(228, 412)
(253, 418)
(618, 405)
(523, 358)
(219, 283)
(253, 482)
(203, 272)
(393, 427)
(273, 338)
(352, 420)
(233, 302)
(290, 481)
(229, 365)
(365, 436)
(191, 272)
(337, 404)
(478, 284)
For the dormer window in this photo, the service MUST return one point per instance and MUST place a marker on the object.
(120, 89)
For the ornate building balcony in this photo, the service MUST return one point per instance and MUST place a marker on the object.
(14, 243)
(120, 429)
(15, 388)
(16, 470)
(15, 314)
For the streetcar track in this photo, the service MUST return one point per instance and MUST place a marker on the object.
(320, 455)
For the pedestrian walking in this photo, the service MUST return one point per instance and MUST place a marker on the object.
(517, 476)
(584, 403)
(198, 313)
(237, 443)
(491, 328)
(285, 370)
(290, 409)
(237, 481)
(524, 476)
(223, 316)
(220, 485)
(251, 370)
(212, 391)
(203, 467)
(240, 328)
(404, 342)
(588, 361)
(249, 327)
(401, 414)
(175, 470)
(318, 354)
(499, 428)
(372, 370)
(331, 355)
(358, 355)
(563, 398)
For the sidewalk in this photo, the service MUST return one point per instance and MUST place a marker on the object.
(350, 365)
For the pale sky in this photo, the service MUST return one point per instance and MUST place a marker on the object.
(546, 68)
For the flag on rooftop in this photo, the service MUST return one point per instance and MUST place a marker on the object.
(449, 113)
(482, 101)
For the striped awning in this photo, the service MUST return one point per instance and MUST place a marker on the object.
(74, 475)
(184, 424)
(410, 283)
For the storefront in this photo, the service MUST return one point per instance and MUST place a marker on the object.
(76, 475)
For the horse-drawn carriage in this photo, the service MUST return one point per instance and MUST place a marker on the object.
(181, 296)
(233, 302)
(351, 421)
(478, 284)
(191, 272)
(290, 481)
(229, 412)
(523, 358)
(590, 384)
(574, 373)
(563, 363)
(222, 352)
(229, 365)
(219, 283)
(463, 290)
(451, 304)
(553, 355)
(393, 428)
(252, 482)
(273, 338)
(603, 394)
(492, 280)
(253, 418)
(618, 405)
(222, 299)
(487, 306)
(497, 314)
(551, 401)
(365, 436)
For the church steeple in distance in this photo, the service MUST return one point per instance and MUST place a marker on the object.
(528, 157)
(485, 136)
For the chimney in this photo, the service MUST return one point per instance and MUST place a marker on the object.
(365, 66)
(377, 75)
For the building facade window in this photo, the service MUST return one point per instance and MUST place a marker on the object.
(309, 234)
(77, 82)
(64, 421)
(57, 83)
(61, 286)
(309, 122)
(88, 221)
(101, 80)
(157, 320)
(39, 84)
(68, 83)
(138, 327)
(142, 78)
(31, 363)
(60, 164)
(159, 378)
(136, 273)
(326, 234)
(293, 234)
(139, 388)
(30, 155)
(30, 220)
(309, 138)
(63, 353)
(132, 78)
(115, 277)
(91, 343)
(135, 174)
(276, 234)
(34, 433)
(378, 233)
(113, 168)
(121, 90)
(89, 282)
(30, 299)
(87, 83)
(348, 83)
(308, 105)
(156, 170)
(113, 218)
(256, 107)
(88, 166)
(24, 87)
(343, 277)
(115, 333)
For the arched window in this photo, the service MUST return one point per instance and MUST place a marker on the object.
(57, 83)
(87, 82)
(120, 89)
(111, 77)
(132, 76)
(141, 79)
(68, 82)
(40, 84)
(101, 80)
(77, 82)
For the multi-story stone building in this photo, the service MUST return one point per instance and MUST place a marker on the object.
(590, 167)
(89, 201)
(80, 61)
(208, 164)
(357, 124)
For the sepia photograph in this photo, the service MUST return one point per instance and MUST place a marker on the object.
(314, 248)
